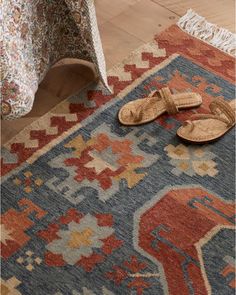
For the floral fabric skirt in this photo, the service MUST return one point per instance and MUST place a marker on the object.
(36, 34)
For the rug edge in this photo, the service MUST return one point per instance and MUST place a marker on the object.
(198, 27)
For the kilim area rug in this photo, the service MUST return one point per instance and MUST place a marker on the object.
(90, 207)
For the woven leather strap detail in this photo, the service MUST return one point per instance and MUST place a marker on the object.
(219, 105)
(169, 102)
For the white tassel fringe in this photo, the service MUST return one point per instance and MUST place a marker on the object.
(200, 28)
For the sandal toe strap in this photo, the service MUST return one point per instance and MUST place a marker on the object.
(219, 106)
(167, 97)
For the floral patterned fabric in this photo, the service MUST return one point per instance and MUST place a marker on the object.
(36, 34)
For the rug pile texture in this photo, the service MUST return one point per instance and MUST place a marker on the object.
(90, 207)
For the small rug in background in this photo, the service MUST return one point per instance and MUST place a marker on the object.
(92, 207)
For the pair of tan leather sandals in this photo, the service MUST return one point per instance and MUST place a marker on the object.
(200, 128)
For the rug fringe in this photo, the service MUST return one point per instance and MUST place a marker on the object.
(200, 28)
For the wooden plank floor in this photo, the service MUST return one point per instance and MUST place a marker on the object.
(220, 12)
(124, 25)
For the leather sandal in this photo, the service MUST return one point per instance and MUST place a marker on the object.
(204, 128)
(147, 109)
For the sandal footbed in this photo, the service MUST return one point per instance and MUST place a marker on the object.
(156, 107)
(206, 130)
